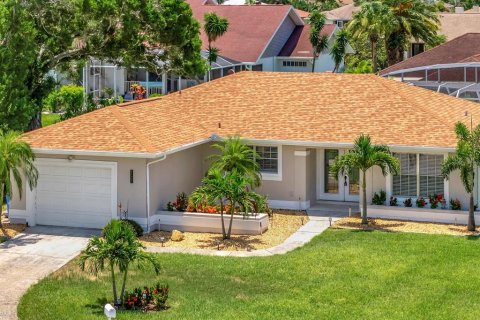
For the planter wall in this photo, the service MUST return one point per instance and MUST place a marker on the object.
(420, 214)
(205, 222)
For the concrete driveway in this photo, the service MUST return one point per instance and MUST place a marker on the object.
(33, 255)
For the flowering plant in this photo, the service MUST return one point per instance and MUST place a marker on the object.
(148, 298)
(181, 203)
(436, 199)
(421, 202)
(408, 202)
(393, 201)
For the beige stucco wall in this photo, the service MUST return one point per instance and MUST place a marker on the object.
(133, 194)
(179, 172)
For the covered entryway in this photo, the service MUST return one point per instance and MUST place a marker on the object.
(74, 193)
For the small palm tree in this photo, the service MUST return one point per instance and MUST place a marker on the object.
(339, 49)
(466, 159)
(234, 154)
(214, 27)
(16, 159)
(374, 21)
(364, 156)
(119, 248)
(318, 41)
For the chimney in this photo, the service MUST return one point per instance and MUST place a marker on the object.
(459, 10)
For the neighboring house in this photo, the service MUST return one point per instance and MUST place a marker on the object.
(452, 68)
(452, 25)
(259, 38)
(141, 154)
(340, 16)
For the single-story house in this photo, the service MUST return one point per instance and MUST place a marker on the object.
(142, 153)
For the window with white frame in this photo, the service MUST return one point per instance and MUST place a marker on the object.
(267, 159)
(420, 175)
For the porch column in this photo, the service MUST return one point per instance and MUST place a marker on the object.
(301, 185)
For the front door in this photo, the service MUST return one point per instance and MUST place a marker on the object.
(341, 188)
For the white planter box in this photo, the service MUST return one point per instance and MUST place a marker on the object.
(419, 214)
(206, 222)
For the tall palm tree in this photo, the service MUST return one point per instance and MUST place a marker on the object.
(416, 19)
(466, 159)
(319, 42)
(214, 27)
(16, 160)
(234, 154)
(364, 156)
(339, 48)
(118, 248)
(374, 21)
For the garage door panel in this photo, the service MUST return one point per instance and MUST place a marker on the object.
(75, 194)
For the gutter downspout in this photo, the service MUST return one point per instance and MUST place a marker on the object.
(163, 157)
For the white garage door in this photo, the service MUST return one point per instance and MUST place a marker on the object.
(75, 193)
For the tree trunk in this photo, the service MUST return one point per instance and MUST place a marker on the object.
(364, 198)
(471, 214)
(122, 292)
(36, 122)
(232, 209)
(2, 187)
(374, 56)
(223, 223)
(313, 63)
(209, 62)
(114, 285)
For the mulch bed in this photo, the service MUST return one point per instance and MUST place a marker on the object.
(8, 230)
(404, 226)
(282, 226)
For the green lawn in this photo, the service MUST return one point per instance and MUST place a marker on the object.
(341, 274)
(51, 118)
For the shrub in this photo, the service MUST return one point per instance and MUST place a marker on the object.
(455, 204)
(169, 206)
(138, 229)
(421, 202)
(154, 95)
(408, 202)
(182, 202)
(69, 98)
(379, 198)
(145, 299)
(393, 202)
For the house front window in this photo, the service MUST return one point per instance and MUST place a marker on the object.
(419, 175)
(269, 159)
(288, 63)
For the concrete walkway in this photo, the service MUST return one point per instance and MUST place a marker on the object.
(314, 227)
(33, 255)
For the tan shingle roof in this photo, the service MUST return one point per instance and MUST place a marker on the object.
(309, 107)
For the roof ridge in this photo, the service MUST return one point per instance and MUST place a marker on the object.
(130, 128)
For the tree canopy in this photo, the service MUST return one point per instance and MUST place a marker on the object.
(38, 36)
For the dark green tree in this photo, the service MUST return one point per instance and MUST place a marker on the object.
(319, 41)
(38, 36)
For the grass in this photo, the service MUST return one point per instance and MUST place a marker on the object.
(341, 274)
(50, 118)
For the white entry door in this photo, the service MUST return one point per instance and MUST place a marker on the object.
(75, 193)
(329, 187)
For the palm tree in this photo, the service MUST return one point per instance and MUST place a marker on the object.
(416, 19)
(466, 159)
(339, 49)
(364, 156)
(214, 28)
(212, 190)
(118, 248)
(374, 21)
(234, 154)
(318, 41)
(16, 160)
